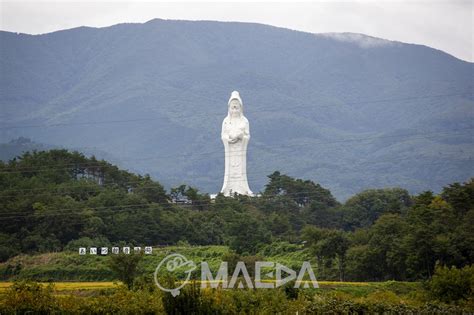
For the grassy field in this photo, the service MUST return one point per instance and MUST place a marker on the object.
(61, 287)
(70, 266)
(331, 297)
(101, 285)
(396, 291)
(73, 283)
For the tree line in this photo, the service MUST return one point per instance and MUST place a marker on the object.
(59, 200)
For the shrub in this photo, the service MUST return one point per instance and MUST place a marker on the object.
(452, 284)
(290, 291)
(190, 301)
(118, 301)
(29, 297)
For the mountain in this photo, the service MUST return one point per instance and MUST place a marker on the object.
(16, 147)
(346, 110)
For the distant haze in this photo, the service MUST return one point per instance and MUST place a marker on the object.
(445, 25)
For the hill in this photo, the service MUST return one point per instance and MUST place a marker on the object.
(57, 200)
(346, 110)
(17, 147)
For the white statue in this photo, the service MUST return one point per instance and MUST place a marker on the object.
(235, 135)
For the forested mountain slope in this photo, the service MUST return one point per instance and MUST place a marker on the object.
(346, 110)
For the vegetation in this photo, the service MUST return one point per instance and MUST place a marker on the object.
(125, 267)
(327, 107)
(57, 200)
(336, 297)
(452, 284)
(53, 202)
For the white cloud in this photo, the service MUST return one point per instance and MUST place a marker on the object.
(359, 39)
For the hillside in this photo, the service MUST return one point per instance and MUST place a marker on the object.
(16, 147)
(56, 200)
(345, 110)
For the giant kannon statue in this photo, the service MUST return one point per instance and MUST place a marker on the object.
(235, 135)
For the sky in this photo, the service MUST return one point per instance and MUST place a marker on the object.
(442, 24)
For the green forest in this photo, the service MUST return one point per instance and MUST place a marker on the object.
(58, 201)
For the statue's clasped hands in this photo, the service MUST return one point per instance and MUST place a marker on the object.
(233, 140)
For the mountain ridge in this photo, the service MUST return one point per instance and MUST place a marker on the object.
(158, 20)
(301, 91)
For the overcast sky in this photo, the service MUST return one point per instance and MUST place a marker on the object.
(442, 24)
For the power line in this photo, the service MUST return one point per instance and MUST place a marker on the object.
(94, 165)
(73, 189)
(130, 207)
(101, 186)
(98, 188)
(196, 203)
(249, 112)
(104, 186)
(58, 211)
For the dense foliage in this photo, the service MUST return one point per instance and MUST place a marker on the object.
(382, 298)
(351, 110)
(57, 200)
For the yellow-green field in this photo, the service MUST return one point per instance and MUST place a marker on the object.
(70, 286)
(390, 297)
(78, 286)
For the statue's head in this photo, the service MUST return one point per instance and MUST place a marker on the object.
(236, 108)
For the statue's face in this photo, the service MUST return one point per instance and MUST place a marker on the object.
(235, 108)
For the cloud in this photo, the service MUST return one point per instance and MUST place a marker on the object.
(360, 40)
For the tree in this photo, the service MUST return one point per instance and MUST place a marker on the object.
(125, 267)
(363, 209)
(339, 242)
(321, 216)
(199, 201)
(152, 191)
(9, 246)
(386, 248)
(247, 233)
(328, 244)
(460, 196)
(302, 192)
(431, 237)
(279, 225)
